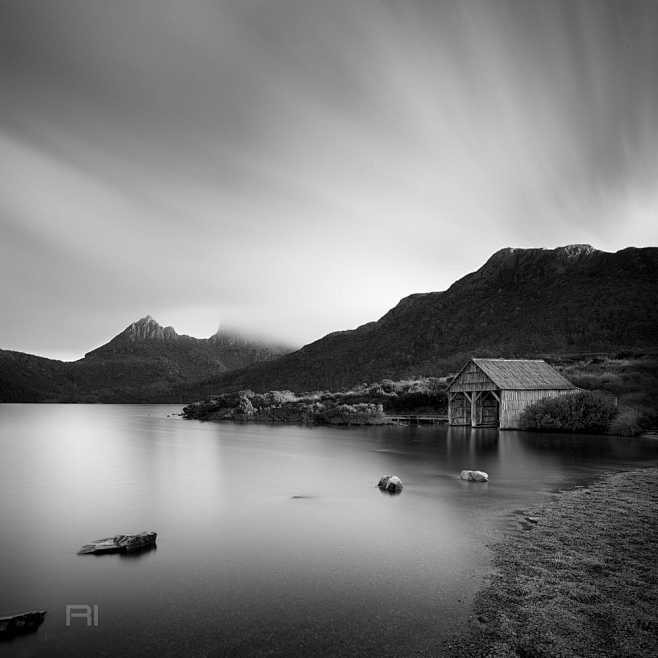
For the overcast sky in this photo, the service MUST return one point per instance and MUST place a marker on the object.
(296, 167)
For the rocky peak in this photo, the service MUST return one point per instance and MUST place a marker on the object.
(148, 329)
(224, 350)
(511, 258)
(571, 251)
(574, 251)
(227, 338)
(230, 340)
(513, 265)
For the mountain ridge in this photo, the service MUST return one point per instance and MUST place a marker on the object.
(148, 330)
(520, 303)
(144, 362)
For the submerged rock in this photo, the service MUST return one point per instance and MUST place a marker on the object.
(474, 476)
(120, 543)
(390, 483)
(25, 622)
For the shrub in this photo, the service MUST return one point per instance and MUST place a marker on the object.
(632, 422)
(577, 412)
(278, 397)
(627, 423)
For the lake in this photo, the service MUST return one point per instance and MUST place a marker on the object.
(272, 540)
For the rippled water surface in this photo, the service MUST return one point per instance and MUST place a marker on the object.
(271, 540)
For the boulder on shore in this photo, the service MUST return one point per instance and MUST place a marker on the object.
(390, 483)
(25, 622)
(120, 543)
(474, 476)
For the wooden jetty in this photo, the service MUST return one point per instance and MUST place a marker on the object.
(418, 419)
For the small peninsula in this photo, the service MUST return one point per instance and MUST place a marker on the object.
(362, 405)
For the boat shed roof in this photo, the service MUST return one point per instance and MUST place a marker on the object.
(521, 374)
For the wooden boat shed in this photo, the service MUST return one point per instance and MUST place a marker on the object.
(494, 392)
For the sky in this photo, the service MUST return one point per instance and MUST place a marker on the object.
(291, 168)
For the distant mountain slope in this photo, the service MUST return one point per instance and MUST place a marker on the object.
(145, 362)
(521, 302)
(28, 378)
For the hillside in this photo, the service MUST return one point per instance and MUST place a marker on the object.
(145, 362)
(29, 378)
(520, 303)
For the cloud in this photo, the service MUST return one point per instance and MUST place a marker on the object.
(294, 168)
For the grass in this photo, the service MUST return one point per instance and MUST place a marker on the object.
(582, 581)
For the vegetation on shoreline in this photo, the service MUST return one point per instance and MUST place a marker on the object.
(578, 579)
(632, 377)
(361, 405)
(578, 412)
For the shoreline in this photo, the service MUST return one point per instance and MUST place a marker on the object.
(576, 577)
(391, 420)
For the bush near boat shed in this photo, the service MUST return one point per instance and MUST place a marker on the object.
(578, 412)
(632, 422)
(631, 377)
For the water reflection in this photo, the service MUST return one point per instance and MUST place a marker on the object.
(269, 538)
(138, 554)
(470, 441)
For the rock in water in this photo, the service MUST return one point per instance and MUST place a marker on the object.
(391, 484)
(474, 476)
(25, 622)
(120, 543)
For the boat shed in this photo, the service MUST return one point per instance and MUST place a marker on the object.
(494, 392)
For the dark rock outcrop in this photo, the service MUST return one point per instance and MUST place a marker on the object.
(120, 543)
(390, 484)
(474, 476)
(20, 624)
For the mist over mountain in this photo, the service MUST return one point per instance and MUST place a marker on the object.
(145, 362)
(520, 303)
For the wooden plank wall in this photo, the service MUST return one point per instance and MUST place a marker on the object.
(488, 410)
(460, 409)
(472, 379)
(514, 402)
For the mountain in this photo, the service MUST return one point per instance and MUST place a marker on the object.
(520, 303)
(146, 339)
(145, 362)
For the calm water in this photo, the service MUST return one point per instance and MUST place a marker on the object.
(242, 567)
